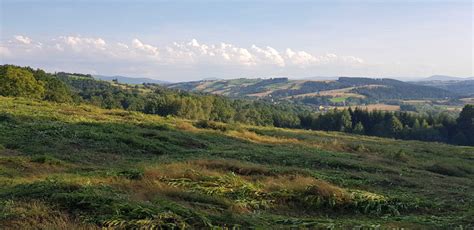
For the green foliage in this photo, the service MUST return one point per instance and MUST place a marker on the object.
(116, 171)
(395, 126)
(204, 124)
(155, 99)
(359, 128)
(19, 82)
(389, 124)
(55, 89)
(465, 124)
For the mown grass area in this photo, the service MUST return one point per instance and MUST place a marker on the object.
(338, 99)
(81, 167)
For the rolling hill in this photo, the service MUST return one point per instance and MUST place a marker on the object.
(362, 90)
(460, 87)
(129, 80)
(80, 153)
(68, 166)
(446, 78)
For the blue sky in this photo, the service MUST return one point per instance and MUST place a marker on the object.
(189, 40)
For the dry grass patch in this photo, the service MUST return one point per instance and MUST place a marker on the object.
(186, 126)
(39, 165)
(235, 166)
(256, 138)
(37, 215)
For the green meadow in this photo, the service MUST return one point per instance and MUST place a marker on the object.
(68, 166)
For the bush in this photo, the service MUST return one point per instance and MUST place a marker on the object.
(205, 124)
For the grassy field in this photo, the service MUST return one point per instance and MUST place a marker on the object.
(81, 167)
(372, 107)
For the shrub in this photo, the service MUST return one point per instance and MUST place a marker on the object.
(185, 126)
(205, 124)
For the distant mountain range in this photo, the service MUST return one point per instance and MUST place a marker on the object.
(130, 80)
(362, 89)
(446, 78)
(460, 87)
(326, 92)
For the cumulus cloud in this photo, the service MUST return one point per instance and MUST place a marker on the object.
(194, 52)
(25, 43)
(301, 58)
(269, 55)
(80, 44)
(23, 39)
(147, 49)
(175, 55)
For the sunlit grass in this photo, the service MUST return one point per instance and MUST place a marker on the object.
(86, 167)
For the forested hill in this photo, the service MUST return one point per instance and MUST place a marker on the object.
(461, 87)
(129, 80)
(207, 108)
(283, 88)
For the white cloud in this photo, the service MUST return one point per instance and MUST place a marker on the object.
(148, 49)
(122, 45)
(191, 54)
(301, 58)
(81, 44)
(223, 53)
(269, 55)
(23, 39)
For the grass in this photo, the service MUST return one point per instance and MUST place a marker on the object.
(338, 99)
(81, 167)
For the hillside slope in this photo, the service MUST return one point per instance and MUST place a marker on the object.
(129, 80)
(460, 87)
(65, 166)
(363, 90)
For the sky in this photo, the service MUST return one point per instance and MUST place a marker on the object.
(192, 40)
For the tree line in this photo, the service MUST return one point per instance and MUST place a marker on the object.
(400, 125)
(155, 99)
